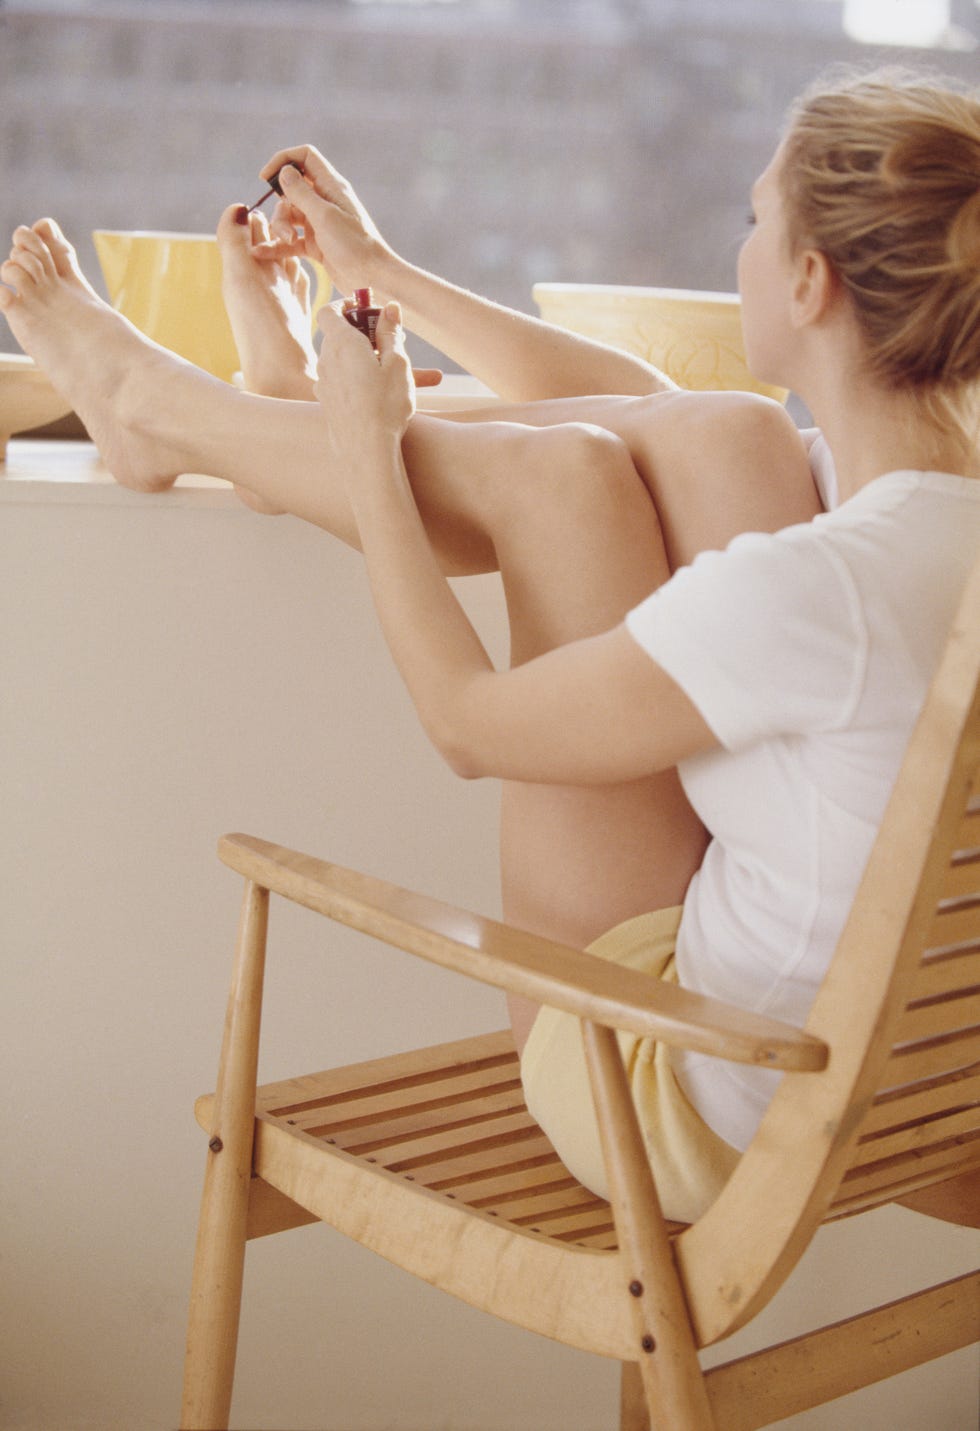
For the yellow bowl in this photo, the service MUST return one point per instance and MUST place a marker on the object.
(169, 287)
(27, 398)
(694, 337)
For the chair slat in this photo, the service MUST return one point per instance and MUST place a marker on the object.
(968, 832)
(941, 1015)
(885, 1192)
(557, 1204)
(422, 1099)
(918, 1136)
(512, 1188)
(482, 1116)
(945, 1159)
(444, 1145)
(571, 1224)
(404, 1114)
(492, 1155)
(956, 924)
(923, 1101)
(934, 1056)
(962, 879)
(469, 1179)
(601, 1234)
(367, 1080)
(947, 973)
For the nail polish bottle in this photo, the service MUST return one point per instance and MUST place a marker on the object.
(362, 314)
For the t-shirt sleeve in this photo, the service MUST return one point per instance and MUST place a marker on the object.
(767, 638)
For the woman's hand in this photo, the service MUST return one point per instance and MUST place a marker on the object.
(321, 217)
(367, 397)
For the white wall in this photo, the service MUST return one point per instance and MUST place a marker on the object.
(173, 668)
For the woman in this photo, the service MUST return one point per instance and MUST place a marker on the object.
(782, 675)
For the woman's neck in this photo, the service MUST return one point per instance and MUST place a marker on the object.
(871, 431)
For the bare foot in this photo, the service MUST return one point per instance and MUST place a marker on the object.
(111, 374)
(268, 303)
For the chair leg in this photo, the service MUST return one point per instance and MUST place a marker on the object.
(633, 1414)
(219, 1259)
(673, 1383)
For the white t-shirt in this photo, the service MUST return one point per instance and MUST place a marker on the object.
(808, 653)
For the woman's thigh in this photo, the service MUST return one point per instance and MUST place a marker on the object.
(579, 543)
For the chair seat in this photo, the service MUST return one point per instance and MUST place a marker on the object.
(450, 1119)
(427, 1139)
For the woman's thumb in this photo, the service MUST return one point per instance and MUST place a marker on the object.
(389, 335)
(295, 188)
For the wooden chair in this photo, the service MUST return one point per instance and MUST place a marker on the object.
(431, 1158)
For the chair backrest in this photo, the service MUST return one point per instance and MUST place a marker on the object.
(898, 1106)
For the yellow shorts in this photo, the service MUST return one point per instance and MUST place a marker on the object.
(691, 1163)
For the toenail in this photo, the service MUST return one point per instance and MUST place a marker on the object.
(241, 214)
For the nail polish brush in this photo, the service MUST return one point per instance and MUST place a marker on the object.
(274, 188)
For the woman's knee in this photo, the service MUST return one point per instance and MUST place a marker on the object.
(577, 538)
(575, 473)
(717, 464)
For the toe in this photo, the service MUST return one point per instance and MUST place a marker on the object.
(62, 252)
(233, 226)
(299, 279)
(22, 271)
(31, 250)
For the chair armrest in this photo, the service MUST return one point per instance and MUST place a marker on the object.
(539, 969)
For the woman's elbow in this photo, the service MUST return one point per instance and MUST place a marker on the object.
(464, 764)
(457, 750)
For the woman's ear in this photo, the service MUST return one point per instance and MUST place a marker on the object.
(815, 288)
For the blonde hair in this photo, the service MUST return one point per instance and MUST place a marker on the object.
(881, 173)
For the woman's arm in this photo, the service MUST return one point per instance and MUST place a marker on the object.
(519, 357)
(597, 711)
(522, 358)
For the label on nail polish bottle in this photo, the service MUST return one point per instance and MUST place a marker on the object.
(364, 315)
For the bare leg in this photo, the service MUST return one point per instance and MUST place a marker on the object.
(154, 416)
(579, 544)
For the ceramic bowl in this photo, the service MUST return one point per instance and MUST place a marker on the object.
(27, 398)
(694, 337)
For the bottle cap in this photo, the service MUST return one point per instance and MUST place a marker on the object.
(362, 298)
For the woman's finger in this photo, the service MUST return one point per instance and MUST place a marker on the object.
(390, 338)
(309, 161)
(427, 377)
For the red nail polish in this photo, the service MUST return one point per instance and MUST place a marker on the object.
(363, 315)
(241, 214)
